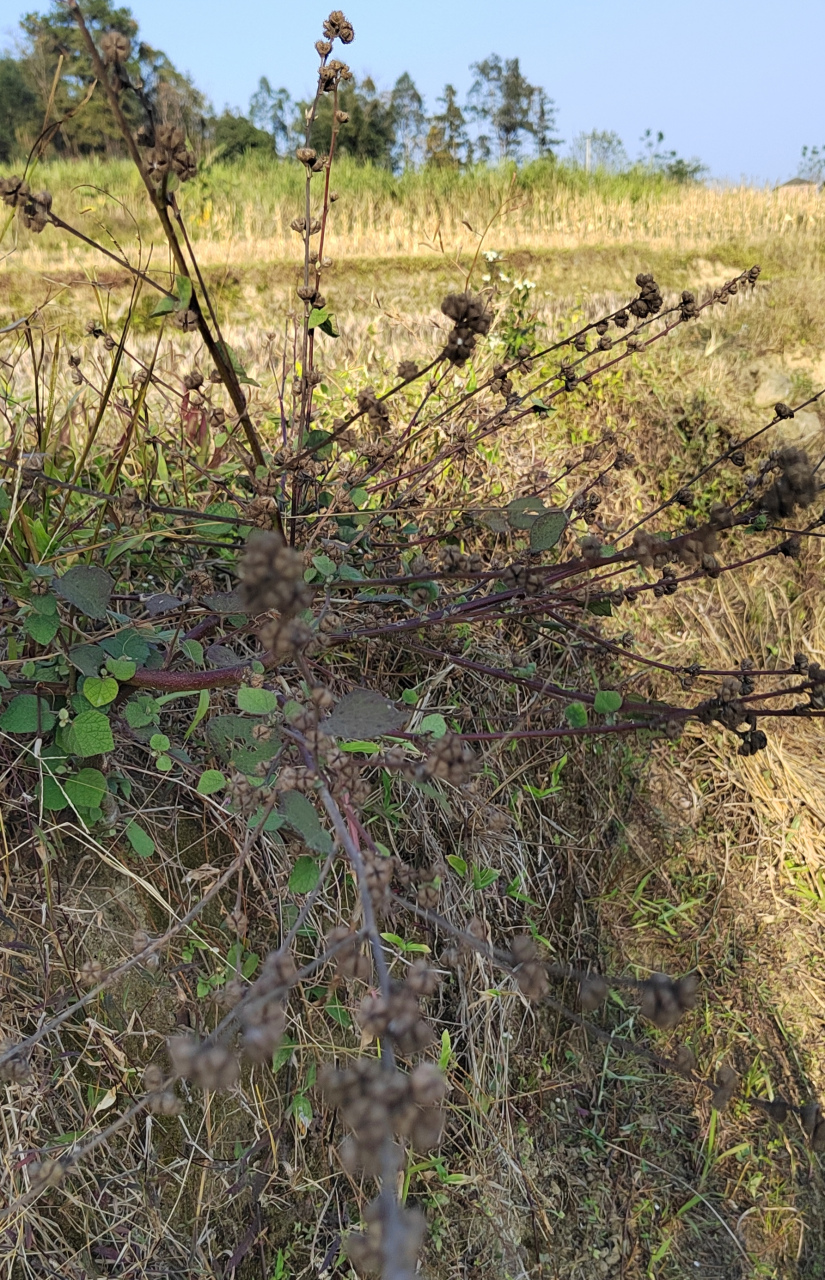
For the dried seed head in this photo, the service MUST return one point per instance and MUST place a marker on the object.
(407, 370)
(727, 1082)
(664, 1001)
(450, 759)
(796, 485)
(91, 972)
(14, 1066)
(592, 992)
(115, 47)
(210, 1066)
(336, 26)
(272, 576)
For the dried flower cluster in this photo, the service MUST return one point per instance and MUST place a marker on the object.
(378, 1103)
(471, 319)
(166, 152)
(34, 207)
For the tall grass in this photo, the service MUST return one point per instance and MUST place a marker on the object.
(250, 204)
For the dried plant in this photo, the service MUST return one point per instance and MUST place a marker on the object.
(377, 529)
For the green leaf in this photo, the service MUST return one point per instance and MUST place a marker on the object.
(330, 327)
(127, 644)
(41, 628)
(53, 794)
(523, 512)
(164, 308)
(231, 358)
(338, 1013)
(91, 734)
(364, 714)
(183, 284)
(86, 789)
(607, 701)
(317, 316)
(100, 692)
(88, 658)
(28, 714)
(304, 876)
(256, 702)
(165, 764)
(325, 566)
(301, 816)
(121, 668)
(601, 608)
(546, 530)
(576, 715)
(88, 589)
(210, 781)
(140, 840)
(141, 711)
(458, 864)
(193, 650)
(159, 742)
(483, 877)
(434, 724)
(318, 441)
(204, 700)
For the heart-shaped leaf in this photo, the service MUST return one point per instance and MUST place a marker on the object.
(88, 588)
(100, 692)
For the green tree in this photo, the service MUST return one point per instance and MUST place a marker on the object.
(235, 135)
(409, 122)
(368, 135)
(273, 110)
(54, 49)
(669, 162)
(502, 97)
(447, 145)
(604, 148)
(18, 108)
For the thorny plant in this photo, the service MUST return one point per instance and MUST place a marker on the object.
(376, 525)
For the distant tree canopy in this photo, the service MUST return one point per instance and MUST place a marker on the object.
(54, 68)
(504, 118)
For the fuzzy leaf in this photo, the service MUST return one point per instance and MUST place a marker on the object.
(304, 875)
(28, 714)
(120, 668)
(606, 702)
(183, 284)
(100, 692)
(210, 781)
(546, 530)
(88, 658)
(257, 702)
(576, 715)
(86, 789)
(434, 724)
(364, 713)
(164, 308)
(91, 734)
(41, 628)
(141, 711)
(523, 512)
(88, 588)
(301, 816)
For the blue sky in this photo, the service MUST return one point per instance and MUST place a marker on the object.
(736, 82)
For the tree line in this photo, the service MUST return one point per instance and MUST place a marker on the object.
(504, 117)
